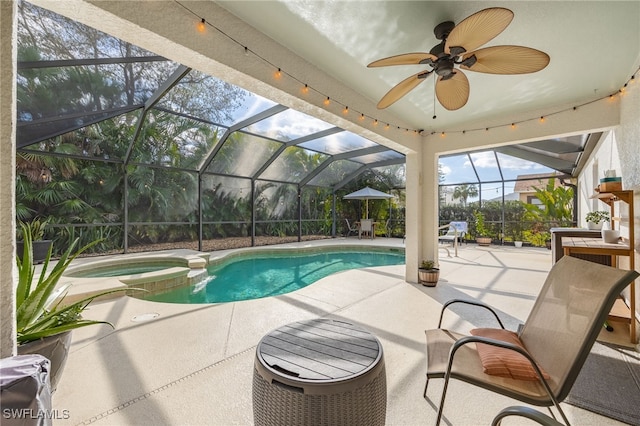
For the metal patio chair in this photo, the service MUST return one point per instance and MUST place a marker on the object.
(547, 352)
(351, 230)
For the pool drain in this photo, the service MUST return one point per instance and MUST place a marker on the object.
(145, 317)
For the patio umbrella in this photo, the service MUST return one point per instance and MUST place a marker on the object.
(367, 194)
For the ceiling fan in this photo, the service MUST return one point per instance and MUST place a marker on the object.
(457, 51)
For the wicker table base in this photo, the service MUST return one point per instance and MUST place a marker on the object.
(306, 374)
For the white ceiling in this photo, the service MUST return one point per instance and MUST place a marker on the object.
(594, 48)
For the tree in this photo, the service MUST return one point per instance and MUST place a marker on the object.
(556, 208)
(463, 192)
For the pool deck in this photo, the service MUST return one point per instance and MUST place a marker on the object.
(193, 364)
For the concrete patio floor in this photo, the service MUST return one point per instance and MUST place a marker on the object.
(193, 364)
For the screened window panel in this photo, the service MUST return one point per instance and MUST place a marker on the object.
(173, 141)
(74, 90)
(225, 200)
(338, 143)
(316, 203)
(162, 195)
(486, 166)
(150, 237)
(210, 99)
(491, 192)
(293, 165)
(76, 190)
(457, 169)
(276, 201)
(243, 154)
(394, 176)
(30, 133)
(335, 173)
(106, 140)
(287, 125)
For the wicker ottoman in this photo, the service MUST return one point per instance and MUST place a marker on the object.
(319, 372)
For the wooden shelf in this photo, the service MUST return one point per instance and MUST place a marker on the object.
(620, 311)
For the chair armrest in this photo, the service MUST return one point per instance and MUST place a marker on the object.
(469, 302)
(527, 412)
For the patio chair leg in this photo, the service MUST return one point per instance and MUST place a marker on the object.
(424, 395)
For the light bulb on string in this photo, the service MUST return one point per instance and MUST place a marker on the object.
(202, 26)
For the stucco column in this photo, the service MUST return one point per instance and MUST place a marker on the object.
(8, 273)
(429, 207)
(413, 216)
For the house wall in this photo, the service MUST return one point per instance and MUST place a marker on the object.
(619, 149)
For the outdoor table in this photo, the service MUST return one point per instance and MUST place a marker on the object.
(319, 372)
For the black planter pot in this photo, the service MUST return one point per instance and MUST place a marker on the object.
(55, 348)
(40, 250)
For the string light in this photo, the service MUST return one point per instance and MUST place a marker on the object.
(202, 26)
(610, 98)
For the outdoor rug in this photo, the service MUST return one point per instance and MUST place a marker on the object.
(609, 383)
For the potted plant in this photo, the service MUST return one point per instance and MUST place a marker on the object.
(517, 234)
(43, 321)
(596, 219)
(483, 236)
(428, 274)
(40, 245)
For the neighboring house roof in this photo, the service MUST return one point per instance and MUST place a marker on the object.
(533, 181)
(513, 196)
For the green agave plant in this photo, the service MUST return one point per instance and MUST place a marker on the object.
(40, 308)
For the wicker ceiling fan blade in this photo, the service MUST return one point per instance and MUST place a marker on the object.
(404, 59)
(507, 60)
(478, 29)
(402, 88)
(453, 93)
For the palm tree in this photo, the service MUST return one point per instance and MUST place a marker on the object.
(463, 192)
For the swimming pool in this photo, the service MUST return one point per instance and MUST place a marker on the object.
(269, 273)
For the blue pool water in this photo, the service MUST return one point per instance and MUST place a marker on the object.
(256, 277)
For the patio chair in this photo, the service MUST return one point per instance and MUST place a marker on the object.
(539, 364)
(351, 229)
(458, 229)
(366, 227)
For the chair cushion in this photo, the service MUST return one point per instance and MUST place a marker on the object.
(504, 362)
